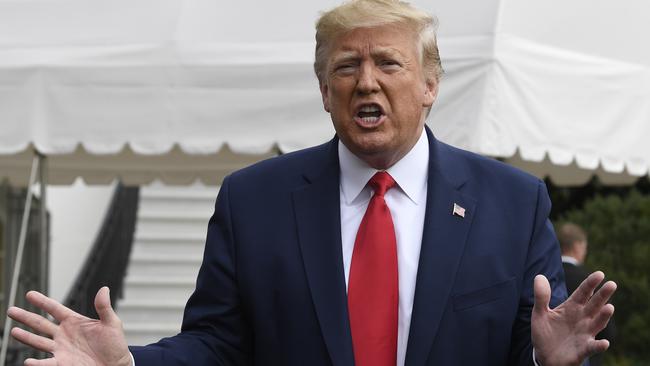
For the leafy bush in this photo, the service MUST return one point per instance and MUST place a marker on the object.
(619, 245)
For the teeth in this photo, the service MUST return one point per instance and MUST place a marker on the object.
(370, 108)
(370, 119)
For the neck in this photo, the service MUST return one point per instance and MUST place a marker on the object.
(382, 162)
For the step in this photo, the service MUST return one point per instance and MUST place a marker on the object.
(185, 264)
(174, 214)
(171, 218)
(178, 226)
(168, 245)
(134, 312)
(188, 198)
(191, 192)
(140, 334)
(202, 205)
(158, 288)
(171, 239)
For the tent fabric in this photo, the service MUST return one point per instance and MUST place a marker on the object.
(187, 89)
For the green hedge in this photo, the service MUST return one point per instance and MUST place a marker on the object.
(619, 245)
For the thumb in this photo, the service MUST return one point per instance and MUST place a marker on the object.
(103, 306)
(542, 290)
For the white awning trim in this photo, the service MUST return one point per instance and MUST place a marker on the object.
(180, 168)
(571, 174)
(101, 148)
(175, 167)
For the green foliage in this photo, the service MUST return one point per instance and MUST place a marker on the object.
(619, 245)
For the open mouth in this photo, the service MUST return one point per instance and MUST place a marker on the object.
(369, 115)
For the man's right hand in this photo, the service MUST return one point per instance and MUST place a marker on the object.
(76, 340)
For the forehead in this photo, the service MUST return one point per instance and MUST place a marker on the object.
(391, 38)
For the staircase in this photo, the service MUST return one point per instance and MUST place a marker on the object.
(166, 256)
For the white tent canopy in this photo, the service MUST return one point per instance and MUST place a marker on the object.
(185, 89)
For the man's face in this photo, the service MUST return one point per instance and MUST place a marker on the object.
(375, 91)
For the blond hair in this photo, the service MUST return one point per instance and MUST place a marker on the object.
(373, 13)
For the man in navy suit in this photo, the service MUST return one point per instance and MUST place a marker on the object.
(288, 272)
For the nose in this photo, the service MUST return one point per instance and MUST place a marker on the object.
(367, 83)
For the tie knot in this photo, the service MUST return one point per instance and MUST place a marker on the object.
(381, 182)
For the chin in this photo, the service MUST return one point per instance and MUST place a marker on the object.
(371, 144)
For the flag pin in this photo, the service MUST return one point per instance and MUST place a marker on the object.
(458, 210)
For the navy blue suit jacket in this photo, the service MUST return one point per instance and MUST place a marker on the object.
(271, 289)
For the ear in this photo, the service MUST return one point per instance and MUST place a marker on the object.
(430, 93)
(324, 93)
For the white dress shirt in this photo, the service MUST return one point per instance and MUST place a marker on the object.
(407, 203)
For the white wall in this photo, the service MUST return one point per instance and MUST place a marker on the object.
(76, 214)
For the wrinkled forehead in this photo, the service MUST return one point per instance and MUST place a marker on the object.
(389, 39)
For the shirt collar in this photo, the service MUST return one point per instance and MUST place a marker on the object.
(570, 260)
(410, 172)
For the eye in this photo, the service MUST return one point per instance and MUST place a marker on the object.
(389, 64)
(345, 68)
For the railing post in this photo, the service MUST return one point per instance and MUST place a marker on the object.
(44, 247)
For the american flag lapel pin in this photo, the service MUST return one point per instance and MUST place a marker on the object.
(458, 211)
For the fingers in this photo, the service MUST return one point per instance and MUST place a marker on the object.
(600, 298)
(600, 321)
(36, 341)
(34, 321)
(542, 291)
(103, 306)
(586, 289)
(51, 306)
(597, 346)
(44, 362)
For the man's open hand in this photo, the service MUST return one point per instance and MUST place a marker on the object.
(74, 340)
(565, 335)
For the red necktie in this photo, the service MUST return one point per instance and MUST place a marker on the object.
(373, 288)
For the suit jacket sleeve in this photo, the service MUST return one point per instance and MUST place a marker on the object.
(214, 330)
(543, 258)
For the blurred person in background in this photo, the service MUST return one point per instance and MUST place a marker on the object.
(573, 245)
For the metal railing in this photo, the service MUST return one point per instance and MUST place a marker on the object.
(109, 256)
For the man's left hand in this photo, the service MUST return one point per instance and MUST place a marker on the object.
(565, 335)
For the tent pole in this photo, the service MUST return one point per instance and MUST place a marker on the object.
(19, 259)
(45, 254)
(44, 247)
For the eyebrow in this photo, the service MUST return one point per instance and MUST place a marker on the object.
(377, 52)
(345, 56)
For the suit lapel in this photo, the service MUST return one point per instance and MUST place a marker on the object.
(443, 243)
(317, 211)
